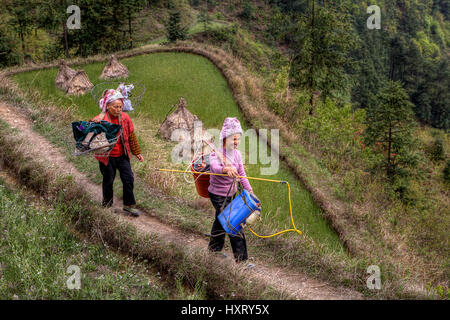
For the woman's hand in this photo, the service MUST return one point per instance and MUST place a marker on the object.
(230, 171)
(140, 157)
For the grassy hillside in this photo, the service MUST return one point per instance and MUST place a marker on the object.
(407, 221)
(38, 246)
(403, 227)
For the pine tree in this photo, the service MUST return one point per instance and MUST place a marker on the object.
(390, 125)
(131, 8)
(52, 17)
(204, 18)
(8, 50)
(101, 30)
(21, 18)
(174, 29)
(323, 40)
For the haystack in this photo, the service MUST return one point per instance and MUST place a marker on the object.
(114, 69)
(79, 84)
(182, 118)
(65, 74)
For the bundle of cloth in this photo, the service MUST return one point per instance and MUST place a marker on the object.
(91, 135)
(125, 90)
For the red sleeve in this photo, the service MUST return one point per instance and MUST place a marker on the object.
(128, 121)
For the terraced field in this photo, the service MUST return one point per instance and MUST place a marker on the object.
(167, 77)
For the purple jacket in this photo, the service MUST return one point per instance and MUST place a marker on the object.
(219, 184)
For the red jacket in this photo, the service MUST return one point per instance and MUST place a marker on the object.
(128, 128)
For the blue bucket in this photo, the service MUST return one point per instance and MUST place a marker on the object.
(238, 211)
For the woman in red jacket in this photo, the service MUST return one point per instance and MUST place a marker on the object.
(119, 157)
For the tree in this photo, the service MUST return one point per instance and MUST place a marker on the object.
(174, 29)
(52, 17)
(22, 19)
(101, 28)
(446, 173)
(131, 10)
(389, 127)
(291, 5)
(322, 43)
(204, 18)
(8, 52)
(247, 12)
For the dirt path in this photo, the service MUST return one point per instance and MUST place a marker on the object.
(298, 285)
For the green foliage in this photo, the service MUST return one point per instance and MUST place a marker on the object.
(226, 34)
(130, 10)
(278, 95)
(291, 5)
(211, 3)
(37, 247)
(102, 18)
(409, 48)
(194, 3)
(414, 57)
(8, 51)
(205, 19)
(446, 172)
(21, 18)
(52, 51)
(247, 12)
(443, 6)
(256, 54)
(335, 127)
(111, 20)
(323, 40)
(51, 15)
(390, 125)
(173, 27)
(278, 26)
(437, 152)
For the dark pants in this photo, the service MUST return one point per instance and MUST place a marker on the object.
(238, 243)
(122, 164)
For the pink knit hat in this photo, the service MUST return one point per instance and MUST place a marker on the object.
(230, 126)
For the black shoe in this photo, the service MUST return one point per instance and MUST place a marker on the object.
(133, 211)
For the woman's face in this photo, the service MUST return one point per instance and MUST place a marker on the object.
(232, 142)
(115, 107)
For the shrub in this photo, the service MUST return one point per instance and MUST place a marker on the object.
(335, 127)
(194, 3)
(8, 52)
(52, 51)
(247, 12)
(446, 172)
(436, 152)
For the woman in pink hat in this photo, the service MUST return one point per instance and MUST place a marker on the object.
(221, 188)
